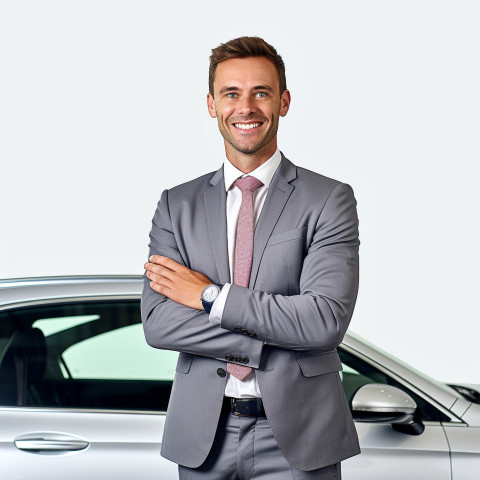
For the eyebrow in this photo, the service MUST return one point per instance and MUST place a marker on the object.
(228, 89)
(236, 89)
(263, 87)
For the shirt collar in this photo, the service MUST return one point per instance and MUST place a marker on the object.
(264, 172)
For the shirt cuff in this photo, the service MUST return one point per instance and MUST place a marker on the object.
(218, 306)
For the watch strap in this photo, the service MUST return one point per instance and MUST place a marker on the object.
(207, 306)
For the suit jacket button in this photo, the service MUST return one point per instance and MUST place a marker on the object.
(244, 332)
(244, 360)
(221, 372)
(228, 357)
(238, 359)
(252, 334)
(237, 329)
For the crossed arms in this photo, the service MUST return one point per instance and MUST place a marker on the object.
(315, 319)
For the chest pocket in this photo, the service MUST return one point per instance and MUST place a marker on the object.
(281, 263)
(298, 233)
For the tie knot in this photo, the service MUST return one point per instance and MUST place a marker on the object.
(248, 183)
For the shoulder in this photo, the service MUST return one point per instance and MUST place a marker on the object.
(314, 179)
(196, 183)
(316, 184)
(194, 187)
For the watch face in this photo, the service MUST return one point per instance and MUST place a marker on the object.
(210, 293)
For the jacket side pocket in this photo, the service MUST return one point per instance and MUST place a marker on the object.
(184, 363)
(319, 364)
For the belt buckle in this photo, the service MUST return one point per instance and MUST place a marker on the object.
(233, 407)
(235, 403)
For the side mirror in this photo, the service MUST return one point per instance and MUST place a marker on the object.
(379, 403)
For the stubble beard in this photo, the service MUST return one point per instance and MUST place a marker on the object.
(255, 148)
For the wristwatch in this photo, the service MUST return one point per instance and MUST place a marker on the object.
(209, 295)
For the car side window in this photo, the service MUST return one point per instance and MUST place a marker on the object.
(89, 355)
(357, 372)
(119, 354)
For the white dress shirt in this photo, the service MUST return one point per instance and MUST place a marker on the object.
(248, 387)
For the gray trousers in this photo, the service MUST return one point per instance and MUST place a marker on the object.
(245, 449)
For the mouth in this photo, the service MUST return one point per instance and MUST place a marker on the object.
(247, 126)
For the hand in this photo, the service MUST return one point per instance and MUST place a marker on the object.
(176, 281)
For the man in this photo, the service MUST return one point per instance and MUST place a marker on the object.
(253, 277)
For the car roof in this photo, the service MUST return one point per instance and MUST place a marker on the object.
(32, 291)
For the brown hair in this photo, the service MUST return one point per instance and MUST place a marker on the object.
(243, 47)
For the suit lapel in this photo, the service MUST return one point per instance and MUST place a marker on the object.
(279, 192)
(215, 199)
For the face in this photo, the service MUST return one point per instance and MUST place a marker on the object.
(247, 104)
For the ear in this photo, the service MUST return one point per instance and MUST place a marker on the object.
(211, 105)
(285, 103)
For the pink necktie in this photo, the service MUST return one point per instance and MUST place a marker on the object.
(244, 250)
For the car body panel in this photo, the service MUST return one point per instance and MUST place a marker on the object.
(118, 443)
(128, 440)
(472, 415)
(464, 443)
(382, 447)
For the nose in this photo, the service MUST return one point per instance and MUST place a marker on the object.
(246, 105)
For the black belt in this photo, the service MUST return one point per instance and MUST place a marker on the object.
(243, 407)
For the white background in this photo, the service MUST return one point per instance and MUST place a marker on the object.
(103, 106)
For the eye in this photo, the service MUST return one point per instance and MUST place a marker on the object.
(232, 95)
(261, 94)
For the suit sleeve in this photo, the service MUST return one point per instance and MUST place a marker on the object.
(318, 317)
(172, 326)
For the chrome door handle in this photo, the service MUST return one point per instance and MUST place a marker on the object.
(41, 444)
(50, 442)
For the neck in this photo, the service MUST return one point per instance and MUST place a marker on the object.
(245, 162)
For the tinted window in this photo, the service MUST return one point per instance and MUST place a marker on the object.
(94, 356)
(84, 355)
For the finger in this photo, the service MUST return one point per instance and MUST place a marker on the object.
(166, 262)
(158, 259)
(159, 270)
(162, 289)
(160, 279)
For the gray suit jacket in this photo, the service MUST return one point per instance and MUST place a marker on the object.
(287, 324)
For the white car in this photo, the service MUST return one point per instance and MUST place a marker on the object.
(82, 396)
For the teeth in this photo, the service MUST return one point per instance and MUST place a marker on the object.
(247, 126)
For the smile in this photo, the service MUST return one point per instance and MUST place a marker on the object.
(246, 126)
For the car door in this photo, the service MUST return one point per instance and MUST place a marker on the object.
(81, 393)
(389, 454)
